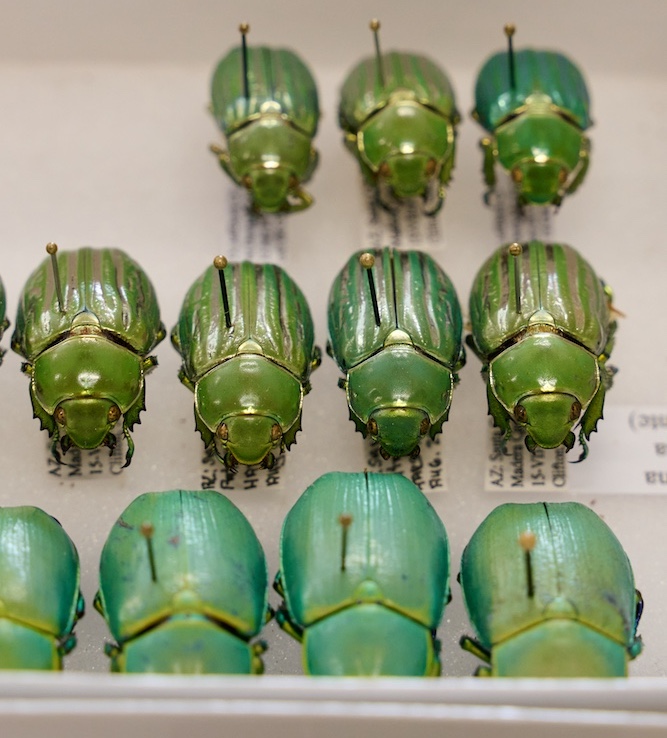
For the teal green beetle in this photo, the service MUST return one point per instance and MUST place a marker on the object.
(265, 102)
(395, 326)
(245, 335)
(4, 323)
(40, 600)
(183, 586)
(87, 320)
(399, 117)
(364, 573)
(550, 593)
(543, 327)
(536, 108)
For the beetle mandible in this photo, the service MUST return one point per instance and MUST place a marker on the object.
(395, 327)
(183, 586)
(535, 106)
(245, 335)
(265, 102)
(364, 573)
(40, 599)
(543, 327)
(86, 322)
(399, 117)
(550, 593)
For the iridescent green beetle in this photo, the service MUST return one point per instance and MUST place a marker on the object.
(87, 320)
(245, 335)
(535, 105)
(40, 600)
(542, 326)
(4, 323)
(183, 586)
(399, 117)
(395, 326)
(364, 572)
(550, 592)
(265, 102)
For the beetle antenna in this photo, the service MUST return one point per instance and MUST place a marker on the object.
(147, 531)
(515, 250)
(52, 250)
(367, 260)
(375, 27)
(243, 30)
(510, 29)
(527, 541)
(220, 262)
(345, 520)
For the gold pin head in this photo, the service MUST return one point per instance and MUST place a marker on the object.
(374, 25)
(345, 519)
(51, 248)
(147, 530)
(510, 29)
(367, 260)
(244, 28)
(527, 540)
(515, 249)
(220, 262)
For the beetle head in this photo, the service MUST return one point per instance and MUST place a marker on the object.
(548, 418)
(270, 187)
(86, 422)
(408, 175)
(398, 430)
(539, 183)
(248, 439)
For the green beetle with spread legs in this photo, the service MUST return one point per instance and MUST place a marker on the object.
(40, 599)
(543, 327)
(536, 108)
(183, 586)
(86, 322)
(265, 102)
(245, 335)
(395, 326)
(364, 573)
(398, 113)
(550, 593)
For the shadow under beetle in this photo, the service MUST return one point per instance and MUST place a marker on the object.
(265, 102)
(550, 592)
(535, 106)
(86, 322)
(40, 600)
(395, 327)
(542, 326)
(398, 113)
(183, 586)
(364, 573)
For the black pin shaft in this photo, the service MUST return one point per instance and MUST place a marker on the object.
(375, 27)
(367, 260)
(147, 533)
(509, 32)
(220, 263)
(345, 521)
(244, 28)
(52, 250)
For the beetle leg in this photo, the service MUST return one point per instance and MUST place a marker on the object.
(287, 624)
(488, 167)
(130, 446)
(475, 648)
(278, 585)
(582, 167)
(301, 200)
(316, 359)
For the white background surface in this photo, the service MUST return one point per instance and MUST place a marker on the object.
(104, 135)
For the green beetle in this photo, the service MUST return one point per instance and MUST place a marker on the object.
(86, 321)
(40, 600)
(550, 593)
(183, 586)
(542, 326)
(364, 572)
(399, 117)
(245, 335)
(399, 345)
(535, 106)
(265, 102)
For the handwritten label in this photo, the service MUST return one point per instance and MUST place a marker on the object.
(514, 467)
(256, 236)
(216, 476)
(80, 463)
(427, 470)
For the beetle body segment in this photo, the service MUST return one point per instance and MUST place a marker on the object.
(537, 127)
(400, 374)
(209, 594)
(401, 126)
(269, 134)
(377, 614)
(40, 600)
(87, 358)
(581, 618)
(251, 377)
(545, 360)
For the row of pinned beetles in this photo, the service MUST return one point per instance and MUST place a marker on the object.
(542, 325)
(364, 577)
(398, 114)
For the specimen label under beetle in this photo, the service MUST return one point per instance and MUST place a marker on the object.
(550, 593)
(395, 327)
(86, 323)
